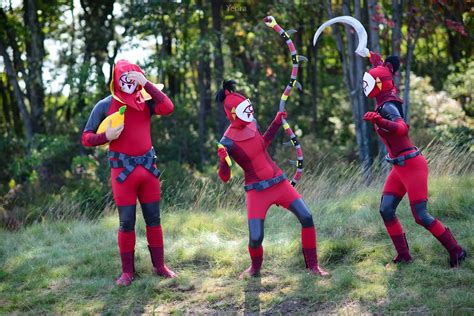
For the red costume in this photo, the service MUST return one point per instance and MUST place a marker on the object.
(410, 170)
(265, 182)
(133, 164)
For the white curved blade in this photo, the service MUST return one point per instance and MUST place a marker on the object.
(362, 49)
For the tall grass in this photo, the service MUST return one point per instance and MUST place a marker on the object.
(325, 177)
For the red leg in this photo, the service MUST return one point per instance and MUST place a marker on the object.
(415, 178)
(154, 237)
(393, 193)
(126, 242)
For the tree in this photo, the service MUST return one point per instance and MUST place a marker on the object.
(216, 6)
(353, 72)
(35, 54)
(204, 80)
(376, 17)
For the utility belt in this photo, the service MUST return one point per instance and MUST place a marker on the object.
(400, 160)
(265, 184)
(130, 162)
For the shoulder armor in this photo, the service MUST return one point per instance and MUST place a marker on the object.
(99, 112)
(389, 111)
(227, 142)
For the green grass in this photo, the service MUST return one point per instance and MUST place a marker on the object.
(70, 267)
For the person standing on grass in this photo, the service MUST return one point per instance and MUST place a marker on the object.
(133, 162)
(410, 170)
(265, 183)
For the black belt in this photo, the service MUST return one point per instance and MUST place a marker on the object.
(130, 162)
(401, 159)
(265, 184)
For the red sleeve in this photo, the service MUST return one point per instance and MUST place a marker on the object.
(224, 171)
(163, 104)
(398, 126)
(90, 139)
(271, 132)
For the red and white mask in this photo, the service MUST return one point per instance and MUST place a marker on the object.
(244, 111)
(376, 80)
(127, 85)
(369, 83)
(238, 109)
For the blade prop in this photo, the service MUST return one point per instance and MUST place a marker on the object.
(296, 59)
(361, 49)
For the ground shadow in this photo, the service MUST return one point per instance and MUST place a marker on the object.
(252, 291)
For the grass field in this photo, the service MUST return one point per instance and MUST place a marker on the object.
(70, 267)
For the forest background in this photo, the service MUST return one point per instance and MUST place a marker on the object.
(56, 59)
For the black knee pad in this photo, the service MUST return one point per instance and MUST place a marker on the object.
(302, 212)
(151, 213)
(256, 232)
(127, 217)
(388, 207)
(422, 217)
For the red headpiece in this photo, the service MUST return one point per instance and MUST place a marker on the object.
(378, 81)
(135, 99)
(237, 107)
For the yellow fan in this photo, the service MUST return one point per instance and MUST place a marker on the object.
(145, 94)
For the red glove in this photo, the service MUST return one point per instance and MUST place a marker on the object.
(222, 153)
(375, 59)
(373, 117)
(279, 116)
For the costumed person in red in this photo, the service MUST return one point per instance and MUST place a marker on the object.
(133, 161)
(410, 170)
(265, 183)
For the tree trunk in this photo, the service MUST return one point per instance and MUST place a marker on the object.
(374, 27)
(362, 101)
(218, 61)
(5, 106)
(313, 70)
(413, 33)
(203, 83)
(12, 42)
(20, 101)
(351, 71)
(406, 93)
(397, 9)
(35, 54)
(98, 32)
(375, 46)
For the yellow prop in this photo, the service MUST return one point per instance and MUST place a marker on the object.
(116, 119)
(227, 158)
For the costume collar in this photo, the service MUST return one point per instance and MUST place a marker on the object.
(240, 134)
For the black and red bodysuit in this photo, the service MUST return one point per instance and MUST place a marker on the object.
(409, 173)
(265, 183)
(133, 165)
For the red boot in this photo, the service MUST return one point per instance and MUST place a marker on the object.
(159, 266)
(456, 253)
(403, 252)
(128, 269)
(396, 233)
(256, 255)
(311, 260)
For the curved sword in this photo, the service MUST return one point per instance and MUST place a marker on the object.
(362, 49)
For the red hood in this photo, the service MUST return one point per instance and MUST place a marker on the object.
(134, 100)
(231, 102)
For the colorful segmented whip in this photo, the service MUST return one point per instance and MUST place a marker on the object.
(296, 59)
